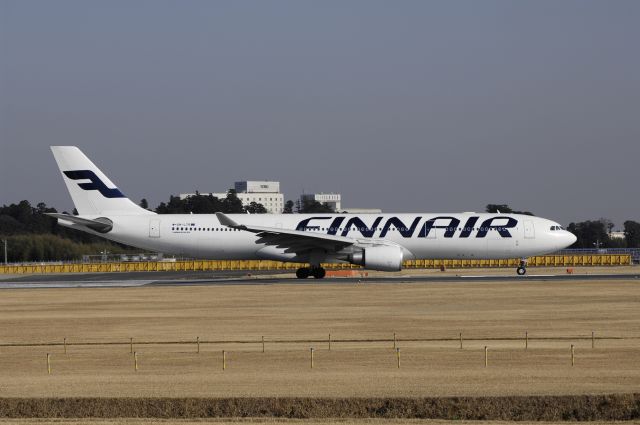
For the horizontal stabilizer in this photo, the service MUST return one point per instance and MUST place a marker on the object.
(100, 225)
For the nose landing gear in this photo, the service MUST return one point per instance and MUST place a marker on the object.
(522, 268)
(305, 272)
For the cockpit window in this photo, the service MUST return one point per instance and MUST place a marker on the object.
(554, 228)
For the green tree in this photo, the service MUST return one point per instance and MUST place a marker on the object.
(48, 247)
(23, 218)
(504, 209)
(590, 234)
(255, 208)
(632, 234)
(288, 207)
(608, 224)
(174, 206)
(232, 204)
(312, 206)
(203, 204)
(144, 204)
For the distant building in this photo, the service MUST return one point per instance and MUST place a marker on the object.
(331, 199)
(257, 186)
(361, 211)
(616, 235)
(266, 193)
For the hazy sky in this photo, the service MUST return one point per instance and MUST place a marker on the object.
(406, 105)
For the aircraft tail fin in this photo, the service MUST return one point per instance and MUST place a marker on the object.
(91, 190)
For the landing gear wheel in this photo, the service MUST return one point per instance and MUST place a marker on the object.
(522, 268)
(303, 273)
(318, 273)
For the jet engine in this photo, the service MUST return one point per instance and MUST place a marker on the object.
(384, 258)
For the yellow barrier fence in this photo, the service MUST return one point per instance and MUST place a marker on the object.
(214, 265)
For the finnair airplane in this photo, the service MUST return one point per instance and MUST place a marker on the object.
(374, 241)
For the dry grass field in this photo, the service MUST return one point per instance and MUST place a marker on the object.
(569, 310)
(277, 422)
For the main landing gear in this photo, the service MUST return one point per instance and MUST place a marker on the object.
(522, 268)
(305, 272)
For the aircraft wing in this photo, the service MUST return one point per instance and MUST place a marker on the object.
(293, 241)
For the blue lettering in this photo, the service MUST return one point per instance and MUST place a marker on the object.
(468, 227)
(501, 228)
(304, 224)
(405, 231)
(367, 232)
(430, 224)
(333, 228)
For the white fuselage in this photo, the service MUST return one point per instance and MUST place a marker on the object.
(421, 236)
(375, 241)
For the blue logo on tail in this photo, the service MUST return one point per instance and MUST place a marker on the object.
(96, 183)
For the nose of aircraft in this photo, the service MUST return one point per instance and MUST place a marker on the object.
(571, 238)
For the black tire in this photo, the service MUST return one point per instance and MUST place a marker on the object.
(319, 273)
(521, 271)
(302, 273)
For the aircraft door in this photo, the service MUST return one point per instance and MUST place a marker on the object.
(529, 230)
(154, 228)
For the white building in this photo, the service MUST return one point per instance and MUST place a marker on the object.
(266, 193)
(616, 235)
(361, 211)
(331, 199)
(255, 186)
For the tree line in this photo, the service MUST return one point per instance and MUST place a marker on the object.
(33, 236)
(209, 204)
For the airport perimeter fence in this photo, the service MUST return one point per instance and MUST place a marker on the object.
(633, 252)
(458, 342)
(568, 260)
(328, 341)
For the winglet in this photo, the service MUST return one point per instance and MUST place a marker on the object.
(226, 221)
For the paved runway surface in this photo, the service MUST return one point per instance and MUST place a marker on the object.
(244, 277)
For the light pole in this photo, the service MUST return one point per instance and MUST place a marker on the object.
(5, 251)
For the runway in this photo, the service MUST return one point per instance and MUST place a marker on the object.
(244, 277)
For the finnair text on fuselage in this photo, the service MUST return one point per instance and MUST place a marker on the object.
(451, 226)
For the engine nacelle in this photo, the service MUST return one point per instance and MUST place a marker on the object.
(383, 258)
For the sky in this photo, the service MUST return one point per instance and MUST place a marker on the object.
(407, 106)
